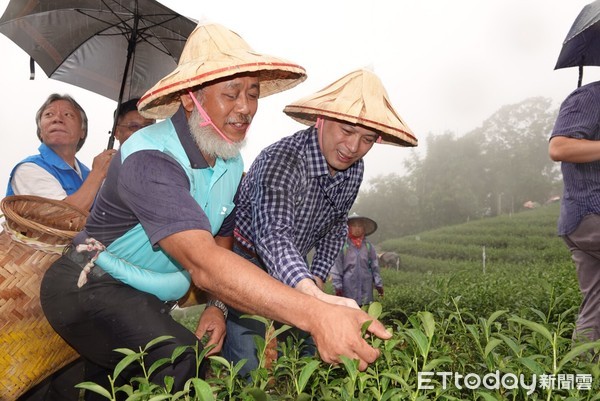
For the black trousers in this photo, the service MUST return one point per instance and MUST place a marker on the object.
(60, 386)
(105, 314)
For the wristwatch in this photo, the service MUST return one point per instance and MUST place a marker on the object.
(218, 304)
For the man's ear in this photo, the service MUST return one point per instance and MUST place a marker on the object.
(187, 102)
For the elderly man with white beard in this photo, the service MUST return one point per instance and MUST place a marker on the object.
(164, 221)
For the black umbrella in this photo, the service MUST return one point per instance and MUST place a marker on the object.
(110, 47)
(582, 44)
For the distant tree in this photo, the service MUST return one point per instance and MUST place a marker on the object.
(514, 149)
(491, 170)
(393, 204)
(447, 181)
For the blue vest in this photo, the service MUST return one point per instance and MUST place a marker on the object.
(131, 257)
(53, 164)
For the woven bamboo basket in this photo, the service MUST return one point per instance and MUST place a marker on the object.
(35, 232)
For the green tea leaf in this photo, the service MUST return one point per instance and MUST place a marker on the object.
(511, 343)
(157, 340)
(123, 363)
(365, 327)
(536, 327)
(578, 350)
(264, 320)
(157, 364)
(420, 339)
(428, 323)
(305, 374)
(95, 388)
(160, 397)
(281, 330)
(431, 365)
(493, 343)
(202, 390)
(375, 310)
(487, 396)
(533, 365)
(351, 366)
(257, 394)
(303, 397)
(494, 316)
(220, 360)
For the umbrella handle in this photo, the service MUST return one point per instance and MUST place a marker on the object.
(111, 141)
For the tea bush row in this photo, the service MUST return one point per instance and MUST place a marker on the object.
(428, 357)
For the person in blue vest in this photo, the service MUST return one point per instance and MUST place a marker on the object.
(163, 223)
(356, 269)
(55, 172)
(297, 194)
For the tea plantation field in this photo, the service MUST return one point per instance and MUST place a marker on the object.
(515, 263)
(479, 311)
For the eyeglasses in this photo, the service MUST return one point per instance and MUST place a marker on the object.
(133, 126)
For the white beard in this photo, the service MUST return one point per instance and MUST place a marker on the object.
(211, 143)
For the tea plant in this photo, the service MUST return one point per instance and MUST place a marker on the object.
(452, 322)
(430, 356)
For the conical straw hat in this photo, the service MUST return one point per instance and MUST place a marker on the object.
(357, 98)
(368, 224)
(213, 52)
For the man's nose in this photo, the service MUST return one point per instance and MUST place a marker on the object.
(243, 105)
(352, 142)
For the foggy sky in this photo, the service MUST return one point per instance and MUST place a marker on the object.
(447, 65)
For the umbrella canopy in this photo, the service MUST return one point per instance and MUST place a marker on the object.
(582, 45)
(115, 48)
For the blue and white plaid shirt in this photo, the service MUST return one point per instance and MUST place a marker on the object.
(288, 203)
(579, 117)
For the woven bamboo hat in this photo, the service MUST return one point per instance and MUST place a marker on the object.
(210, 53)
(369, 225)
(356, 98)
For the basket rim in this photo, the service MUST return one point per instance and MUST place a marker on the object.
(15, 219)
(40, 199)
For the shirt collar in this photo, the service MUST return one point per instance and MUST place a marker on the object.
(53, 158)
(182, 128)
(317, 164)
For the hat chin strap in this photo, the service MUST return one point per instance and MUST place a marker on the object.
(207, 120)
(319, 127)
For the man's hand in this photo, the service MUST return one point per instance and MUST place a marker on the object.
(380, 291)
(320, 284)
(309, 287)
(337, 331)
(102, 161)
(212, 323)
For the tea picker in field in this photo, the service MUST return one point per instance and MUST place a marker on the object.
(298, 191)
(356, 268)
(164, 219)
(575, 142)
(55, 172)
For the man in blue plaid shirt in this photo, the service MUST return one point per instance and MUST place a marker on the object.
(297, 194)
